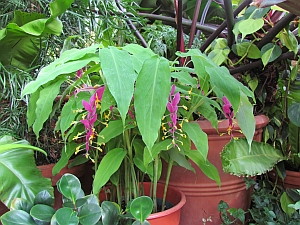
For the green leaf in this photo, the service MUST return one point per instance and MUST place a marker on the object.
(44, 197)
(246, 118)
(42, 214)
(113, 129)
(207, 168)
(151, 96)
(198, 137)
(70, 61)
(141, 208)
(218, 56)
(250, 26)
(15, 180)
(285, 201)
(156, 149)
(109, 165)
(120, 76)
(237, 213)
(31, 116)
(294, 113)
(289, 40)
(21, 204)
(247, 48)
(89, 214)
(44, 105)
(238, 160)
(66, 154)
(67, 115)
(110, 213)
(269, 53)
(17, 217)
(66, 216)
(185, 78)
(69, 186)
(58, 7)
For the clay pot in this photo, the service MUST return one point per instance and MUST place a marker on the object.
(203, 194)
(292, 179)
(170, 216)
(46, 170)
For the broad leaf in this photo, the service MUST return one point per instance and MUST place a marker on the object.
(66, 216)
(42, 214)
(69, 186)
(198, 137)
(113, 129)
(207, 168)
(17, 180)
(141, 207)
(120, 76)
(294, 113)
(89, 214)
(285, 201)
(108, 166)
(19, 217)
(238, 160)
(269, 53)
(250, 26)
(110, 213)
(153, 86)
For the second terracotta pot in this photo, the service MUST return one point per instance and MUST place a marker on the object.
(203, 194)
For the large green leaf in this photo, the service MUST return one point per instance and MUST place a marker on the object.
(109, 165)
(198, 137)
(238, 160)
(58, 7)
(42, 214)
(151, 96)
(19, 175)
(110, 213)
(66, 216)
(250, 26)
(246, 118)
(294, 113)
(120, 76)
(44, 105)
(207, 168)
(70, 61)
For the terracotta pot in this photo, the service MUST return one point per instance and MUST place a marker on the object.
(203, 194)
(292, 179)
(46, 170)
(170, 216)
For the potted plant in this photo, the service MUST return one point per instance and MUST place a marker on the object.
(77, 208)
(137, 108)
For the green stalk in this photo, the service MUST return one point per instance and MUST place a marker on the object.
(156, 161)
(170, 165)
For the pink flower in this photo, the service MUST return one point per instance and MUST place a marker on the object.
(228, 112)
(91, 118)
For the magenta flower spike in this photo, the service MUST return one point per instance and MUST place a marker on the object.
(228, 112)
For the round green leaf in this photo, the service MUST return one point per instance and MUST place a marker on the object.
(110, 213)
(141, 208)
(70, 187)
(66, 216)
(44, 197)
(42, 214)
(89, 214)
(294, 113)
(17, 217)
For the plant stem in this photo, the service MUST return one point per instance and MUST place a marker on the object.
(170, 164)
(156, 162)
(194, 23)
(230, 22)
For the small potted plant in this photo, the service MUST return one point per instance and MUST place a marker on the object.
(132, 108)
(77, 208)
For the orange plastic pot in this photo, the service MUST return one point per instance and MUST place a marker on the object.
(170, 216)
(291, 180)
(46, 170)
(203, 194)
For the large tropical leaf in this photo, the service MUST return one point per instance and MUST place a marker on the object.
(19, 175)
(120, 76)
(238, 160)
(151, 96)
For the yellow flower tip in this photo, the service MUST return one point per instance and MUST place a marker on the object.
(87, 155)
(190, 91)
(186, 108)
(77, 150)
(93, 161)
